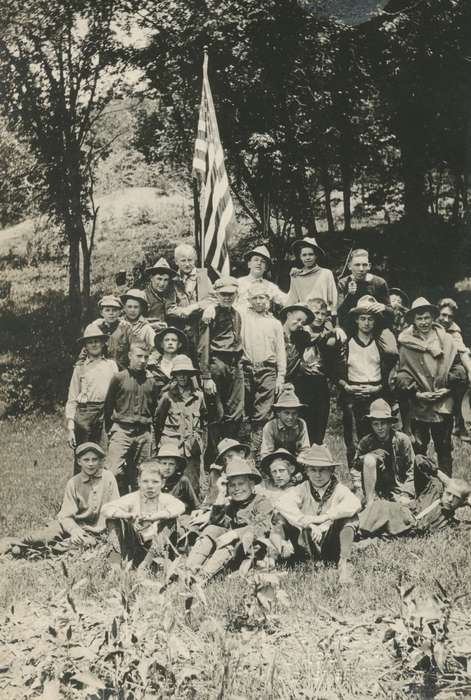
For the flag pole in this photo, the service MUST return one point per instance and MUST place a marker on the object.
(199, 233)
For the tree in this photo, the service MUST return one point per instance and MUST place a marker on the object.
(60, 65)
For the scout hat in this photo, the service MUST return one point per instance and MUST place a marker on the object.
(242, 467)
(182, 363)
(316, 456)
(92, 332)
(138, 295)
(280, 453)
(89, 447)
(110, 300)
(421, 304)
(296, 307)
(170, 450)
(261, 250)
(308, 242)
(400, 293)
(380, 410)
(287, 398)
(161, 266)
(230, 444)
(363, 306)
(182, 337)
(226, 284)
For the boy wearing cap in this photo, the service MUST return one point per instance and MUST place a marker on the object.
(180, 418)
(115, 328)
(258, 261)
(238, 511)
(135, 310)
(144, 521)
(323, 510)
(169, 343)
(173, 465)
(429, 369)
(359, 282)
(264, 360)
(81, 518)
(286, 430)
(293, 318)
(129, 411)
(311, 280)
(87, 390)
(160, 292)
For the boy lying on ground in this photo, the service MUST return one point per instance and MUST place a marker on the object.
(81, 519)
(144, 521)
(323, 510)
(240, 514)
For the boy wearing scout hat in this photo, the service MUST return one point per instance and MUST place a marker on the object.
(81, 519)
(180, 418)
(286, 429)
(136, 308)
(311, 280)
(258, 262)
(237, 512)
(160, 291)
(169, 343)
(87, 390)
(323, 510)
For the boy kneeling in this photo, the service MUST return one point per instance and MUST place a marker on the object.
(81, 518)
(242, 512)
(144, 520)
(323, 510)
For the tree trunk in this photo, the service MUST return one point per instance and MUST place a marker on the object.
(347, 206)
(327, 187)
(413, 175)
(75, 297)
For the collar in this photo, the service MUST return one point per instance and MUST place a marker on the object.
(301, 271)
(281, 426)
(96, 477)
(190, 276)
(361, 343)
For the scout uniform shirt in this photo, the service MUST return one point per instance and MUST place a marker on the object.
(264, 341)
(179, 420)
(141, 331)
(318, 282)
(84, 500)
(395, 474)
(254, 512)
(276, 434)
(141, 507)
(89, 384)
(131, 399)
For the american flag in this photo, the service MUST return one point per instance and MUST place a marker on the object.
(213, 201)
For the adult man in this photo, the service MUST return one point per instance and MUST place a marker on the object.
(258, 261)
(160, 291)
(429, 368)
(359, 282)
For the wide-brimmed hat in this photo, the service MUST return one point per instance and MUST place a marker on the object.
(296, 307)
(308, 242)
(287, 398)
(161, 266)
(169, 450)
(280, 453)
(137, 295)
(110, 300)
(261, 250)
(364, 306)
(230, 444)
(316, 456)
(401, 293)
(380, 410)
(92, 332)
(421, 304)
(182, 363)
(242, 467)
(182, 337)
(89, 447)
(226, 284)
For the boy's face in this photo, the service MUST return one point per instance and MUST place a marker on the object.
(132, 309)
(150, 483)
(395, 300)
(446, 316)
(423, 321)
(239, 488)
(257, 266)
(231, 453)
(308, 257)
(226, 299)
(359, 266)
(319, 476)
(381, 428)
(259, 303)
(90, 463)
(170, 343)
(182, 379)
(449, 501)
(280, 471)
(160, 281)
(110, 313)
(366, 323)
(169, 466)
(320, 315)
(95, 347)
(295, 320)
(138, 358)
(287, 416)
(185, 262)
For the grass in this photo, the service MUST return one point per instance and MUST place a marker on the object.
(285, 658)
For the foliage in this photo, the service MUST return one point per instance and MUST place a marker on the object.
(16, 166)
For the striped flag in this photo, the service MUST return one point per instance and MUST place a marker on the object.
(213, 201)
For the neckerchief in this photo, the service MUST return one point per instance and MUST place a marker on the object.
(327, 493)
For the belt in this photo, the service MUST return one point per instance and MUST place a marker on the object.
(134, 427)
(365, 383)
(260, 365)
(232, 357)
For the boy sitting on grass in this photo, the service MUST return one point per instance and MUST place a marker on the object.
(238, 512)
(173, 465)
(286, 429)
(144, 521)
(323, 510)
(81, 518)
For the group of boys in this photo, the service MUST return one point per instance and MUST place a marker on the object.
(177, 374)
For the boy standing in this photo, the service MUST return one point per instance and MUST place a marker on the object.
(160, 291)
(135, 310)
(129, 411)
(311, 280)
(258, 261)
(359, 282)
(293, 318)
(286, 430)
(169, 343)
(116, 329)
